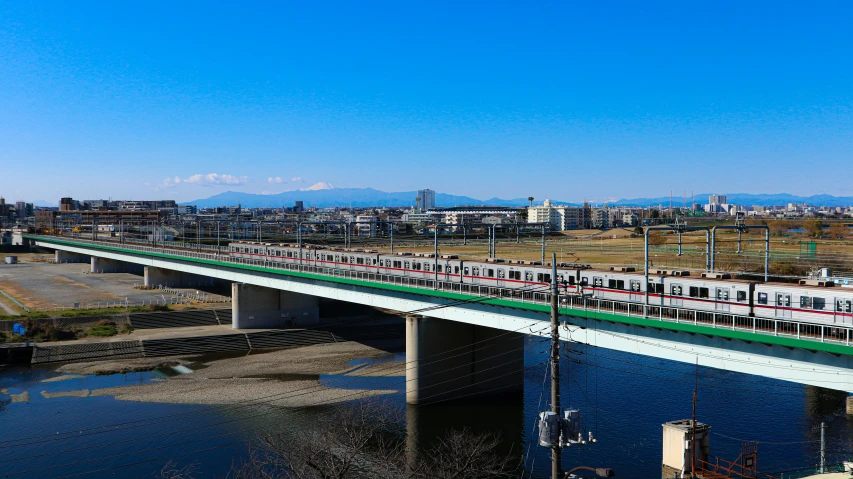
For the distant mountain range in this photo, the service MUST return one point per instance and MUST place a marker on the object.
(325, 196)
(745, 199)
(355, 197)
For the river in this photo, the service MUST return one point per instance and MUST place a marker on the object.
(624, 399)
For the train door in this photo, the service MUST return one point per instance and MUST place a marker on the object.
(636, 293)
(501, 278)
(721, 302)
(843, 308)
(676, 295)
(783, 305)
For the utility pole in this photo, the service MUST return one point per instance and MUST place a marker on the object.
(556, 450)
(822, 447)
(693, 425)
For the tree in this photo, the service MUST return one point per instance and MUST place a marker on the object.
(654, 213)
(656, 239)
(838, 231)
(814, 228)
(638, 230)
(364, 440)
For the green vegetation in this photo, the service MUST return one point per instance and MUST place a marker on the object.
(103, 328)
(2, 337)
(77, 313)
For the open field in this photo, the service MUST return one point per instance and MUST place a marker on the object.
(47, 286)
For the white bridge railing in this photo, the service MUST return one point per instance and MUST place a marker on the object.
(827, 333)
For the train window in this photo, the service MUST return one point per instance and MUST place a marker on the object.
(407, 265)
(620, 284)
(722, 294)
(839, 305)
(741, 296)
(398, 264)
(426, 266)
(848, 306)
(585, 281)
(635, 286)
(571, 280)
(805, 302)
(514, 274)
(438, 268)
(676, 290)
(359, 260)
(597, 282)
(818, 303)
(500, 274)
(656, 288)
(475, 271)
(693, 292)
(456, 269)
(703, 292)
(416, 265)
(374, 260)
(528, 276)
(465, 271)
(490, 272)
(560, 278)
(611, 283)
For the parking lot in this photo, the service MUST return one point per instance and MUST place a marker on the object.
(41, 285)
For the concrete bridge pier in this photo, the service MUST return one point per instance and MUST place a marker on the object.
(166, 277)
(106, 265)
(60, 256)
(256, 307)
(449, 360)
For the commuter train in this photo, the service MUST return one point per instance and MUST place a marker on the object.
(809, 301)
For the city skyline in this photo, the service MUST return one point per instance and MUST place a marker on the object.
(597, 102)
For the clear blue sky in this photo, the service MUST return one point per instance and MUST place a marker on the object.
(570, 100)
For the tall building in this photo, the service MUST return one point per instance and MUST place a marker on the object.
(427, 197)
(717, 200)
(298, 206)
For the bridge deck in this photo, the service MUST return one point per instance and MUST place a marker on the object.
(833, 339)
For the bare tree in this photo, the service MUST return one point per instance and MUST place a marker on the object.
(366, 440)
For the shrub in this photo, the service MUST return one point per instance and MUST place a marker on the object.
(103, 328)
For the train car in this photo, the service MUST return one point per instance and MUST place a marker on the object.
(622, 284)
(817, 302)
(710, 294)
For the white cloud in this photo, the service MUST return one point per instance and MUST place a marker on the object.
(210, 179)
(277, 180)
(296, 179)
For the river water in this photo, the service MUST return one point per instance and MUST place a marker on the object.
(624, 400)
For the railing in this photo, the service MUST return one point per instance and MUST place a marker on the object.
(835, 334)
(728, 469)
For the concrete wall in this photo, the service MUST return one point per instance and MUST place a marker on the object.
(451, 360)
(166, 277)
(256, 307)
(60, 256)
(104, 265)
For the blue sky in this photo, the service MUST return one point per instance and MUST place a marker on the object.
(571, 100)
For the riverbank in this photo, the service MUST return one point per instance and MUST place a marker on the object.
(287, 378)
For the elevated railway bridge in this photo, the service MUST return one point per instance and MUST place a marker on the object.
(478, 330)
